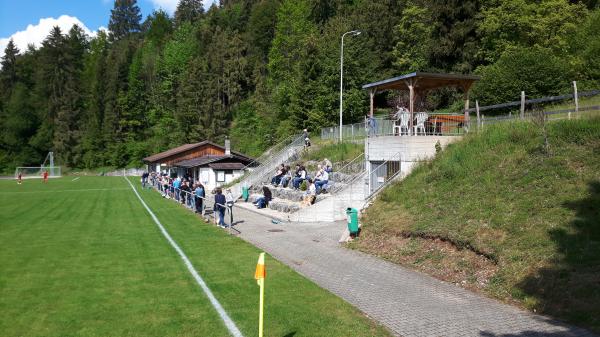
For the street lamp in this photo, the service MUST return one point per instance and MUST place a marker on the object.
(354, 33)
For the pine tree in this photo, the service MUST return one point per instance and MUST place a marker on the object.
(188, 11)
(125, 19)
(454, 42)
(8, 73)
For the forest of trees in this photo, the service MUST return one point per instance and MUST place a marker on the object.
(258, 70)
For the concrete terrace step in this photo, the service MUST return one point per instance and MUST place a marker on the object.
(277, 204)
(287, 193)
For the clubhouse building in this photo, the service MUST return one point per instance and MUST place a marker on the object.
(211, 164)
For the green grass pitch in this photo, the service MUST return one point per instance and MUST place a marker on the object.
(84, 258)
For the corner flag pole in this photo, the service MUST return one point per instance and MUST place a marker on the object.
(260, 275)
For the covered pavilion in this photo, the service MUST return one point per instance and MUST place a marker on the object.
(418, 84)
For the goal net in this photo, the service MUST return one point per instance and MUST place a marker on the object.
(37, 172)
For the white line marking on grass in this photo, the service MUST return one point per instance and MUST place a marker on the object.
(75, 179)
(71, 190)
(213, 300)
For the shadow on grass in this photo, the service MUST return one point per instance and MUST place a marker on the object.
(291, 334)
(569, 288)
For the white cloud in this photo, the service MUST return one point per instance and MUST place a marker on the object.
(35, 34)
(169, 6)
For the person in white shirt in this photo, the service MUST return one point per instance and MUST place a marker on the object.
(322, 180)
(310, 194)
(300, 177)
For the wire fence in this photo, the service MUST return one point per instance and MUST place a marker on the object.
(456, 124)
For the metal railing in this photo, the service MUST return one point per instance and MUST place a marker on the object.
(438, 124)
(188, 199)
(383, 174)
(350, 132)
(346, 174)
(429, 124)
(275, 156)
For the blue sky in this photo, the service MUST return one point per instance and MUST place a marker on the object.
(29, 21)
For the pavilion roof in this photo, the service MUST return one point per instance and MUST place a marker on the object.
(424, 81)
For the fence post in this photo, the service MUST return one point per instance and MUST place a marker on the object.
(477, 110)
(522, 105)
(352, 125)
(576, 99)
(482, 121)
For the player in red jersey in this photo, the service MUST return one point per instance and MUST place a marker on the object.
(45, 176)
(20, 178)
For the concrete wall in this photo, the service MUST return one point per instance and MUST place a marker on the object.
(413, 148)
(208, 177)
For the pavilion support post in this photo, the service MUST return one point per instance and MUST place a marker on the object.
(522, 105)
(576, 98)
(467, 121)
(372, 101)
(411, 107)
(478, 118)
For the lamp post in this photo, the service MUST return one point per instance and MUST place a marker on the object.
(353, 32)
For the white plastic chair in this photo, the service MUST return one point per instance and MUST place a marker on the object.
(401, 121)
(421, 118)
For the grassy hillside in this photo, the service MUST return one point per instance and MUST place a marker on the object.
(501, 213)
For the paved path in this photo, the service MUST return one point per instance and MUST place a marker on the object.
(407, 302)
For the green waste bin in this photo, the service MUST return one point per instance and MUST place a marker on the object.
(352, 214)
(245, 193)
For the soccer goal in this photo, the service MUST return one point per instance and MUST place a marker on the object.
(38, 171)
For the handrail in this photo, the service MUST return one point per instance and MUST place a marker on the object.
(336, 187)
(156, 183)
(267, 153)
(396, 157)
(260, 172)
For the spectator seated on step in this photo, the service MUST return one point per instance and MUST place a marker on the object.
(278, 175)
(321, 179)
(300, 177)
(264, 200)
(310, 195)
(287, 177)
(327, 165)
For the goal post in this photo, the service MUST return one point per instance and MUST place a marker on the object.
(37, 171)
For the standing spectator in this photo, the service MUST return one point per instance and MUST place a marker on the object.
(372, 125)
(185, 189)
(219, 206)
(229, 201)
(144, 179)
(200, 193)
(305, 138)
(176, 188)
(165, 182)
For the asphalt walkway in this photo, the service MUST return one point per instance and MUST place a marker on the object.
(408, 303)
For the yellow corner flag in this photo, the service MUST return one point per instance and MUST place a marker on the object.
(260, 275)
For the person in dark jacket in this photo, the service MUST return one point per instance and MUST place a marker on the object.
(263, 201)
(199, 195)
(219, 206)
